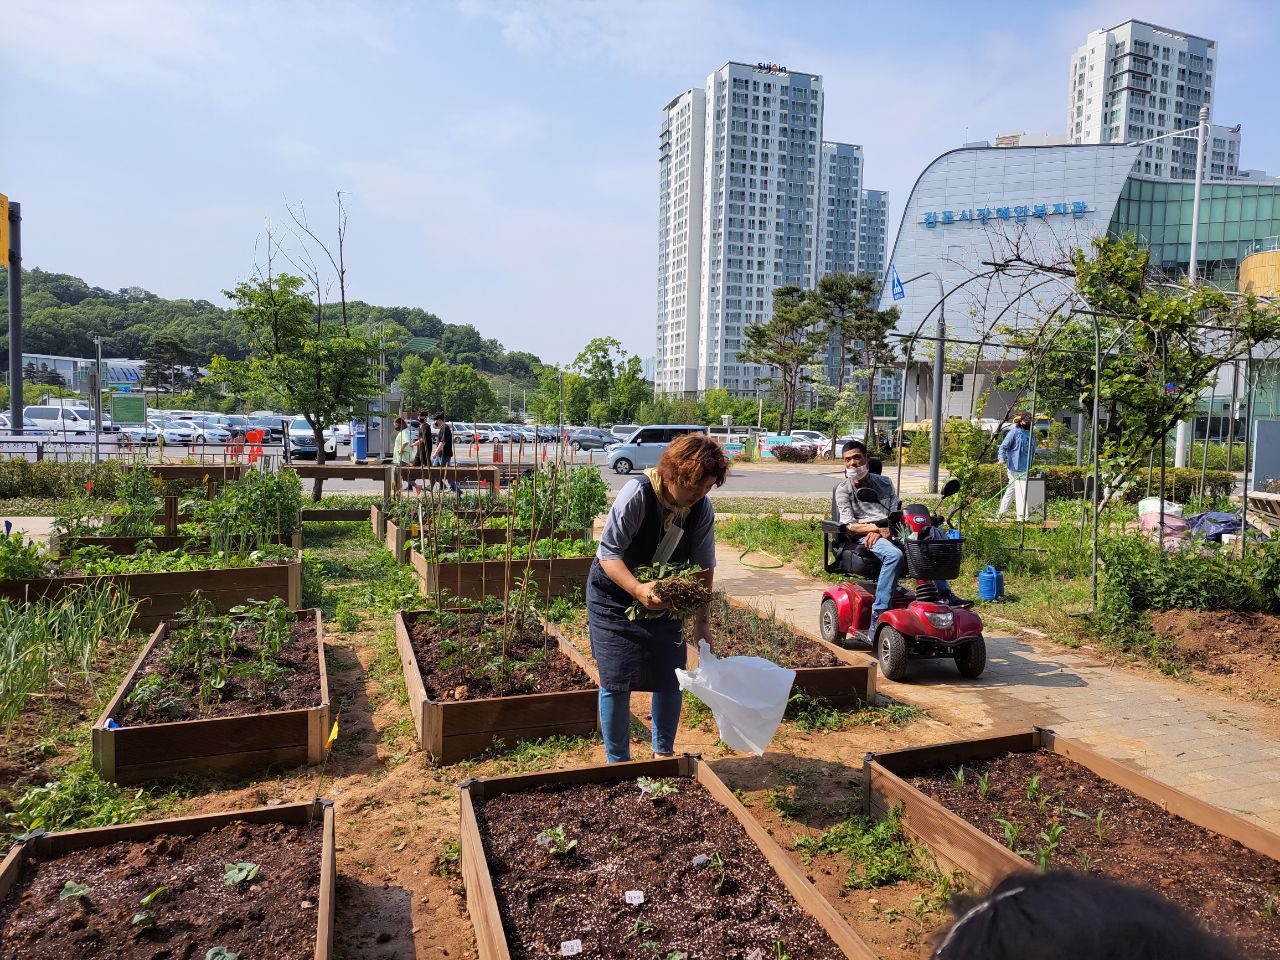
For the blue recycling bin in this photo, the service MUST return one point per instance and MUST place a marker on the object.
(359, 440)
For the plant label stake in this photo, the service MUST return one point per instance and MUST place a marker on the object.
(570, 948)
(634, 897)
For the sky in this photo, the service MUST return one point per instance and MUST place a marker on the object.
(499, 157)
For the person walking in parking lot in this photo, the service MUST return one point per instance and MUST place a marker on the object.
(442, 453)
(402, 451)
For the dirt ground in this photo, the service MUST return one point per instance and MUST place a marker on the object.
(1238, 653)
(399, 892)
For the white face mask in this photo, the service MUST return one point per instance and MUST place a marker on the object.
(856, 473)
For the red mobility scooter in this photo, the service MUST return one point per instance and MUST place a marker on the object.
(917, 624)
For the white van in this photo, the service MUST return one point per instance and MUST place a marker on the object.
(59, 420)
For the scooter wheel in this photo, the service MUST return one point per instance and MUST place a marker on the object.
(971, 659)
(891, 651)
(829, 622)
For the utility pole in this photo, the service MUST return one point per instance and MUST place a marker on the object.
(15, 317)
(97, 402)
(1193, 266)
(939, 363)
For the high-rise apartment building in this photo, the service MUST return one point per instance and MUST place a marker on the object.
(873, 232)
(762, 202)
(760, 196)
(838, 207)
(1136, 81)
(681, 141)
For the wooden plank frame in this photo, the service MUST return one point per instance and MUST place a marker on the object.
(475, 580)
(482, 904)
(211, 475)
(333, 515)
(52, 844)
(238, 744)
(126, 546)
(400, 540)
(958, 844)
(163, 595)
(846, 686)
(453, 731)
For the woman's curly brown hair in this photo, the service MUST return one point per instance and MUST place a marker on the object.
(693, 459)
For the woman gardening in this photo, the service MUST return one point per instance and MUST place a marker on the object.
(663, 516)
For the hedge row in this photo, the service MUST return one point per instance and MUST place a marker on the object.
(20, 478)
(1066, 483)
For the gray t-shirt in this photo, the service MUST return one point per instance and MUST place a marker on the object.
(853, 510)
(625, 519)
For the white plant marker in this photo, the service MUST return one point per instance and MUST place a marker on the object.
(570, 948)
(634, 897)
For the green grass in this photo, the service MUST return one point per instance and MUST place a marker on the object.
(819, 506)
(792, 541)
(530, 756)
(694, 712)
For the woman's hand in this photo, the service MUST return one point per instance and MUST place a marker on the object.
(647, 597)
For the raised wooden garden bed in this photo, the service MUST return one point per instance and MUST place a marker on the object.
(211, 475)
(163, 595)
(475, 580)
(333, 515)
(847, 680)
(1143, 823)
(452, 730)
(236, 744)
(121, 864)
(400, 539)
(125, 546)
(764, 900)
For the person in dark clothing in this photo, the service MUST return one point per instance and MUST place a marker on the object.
(662, 515)
(1070, 916)
(442, 452)
(423, 458)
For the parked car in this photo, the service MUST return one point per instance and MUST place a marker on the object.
(59, 420)
(522, 434)
(302, 440)
(272, 430)
(463, 432)
(341, 432)
(175, 430)
(29, 426)
(645, 447)
(589, 438)
(623, 431)
(816, 439)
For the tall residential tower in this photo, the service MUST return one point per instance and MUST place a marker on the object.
(760, 202)
(1136, 81)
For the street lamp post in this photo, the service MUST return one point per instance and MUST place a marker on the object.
(939, 363)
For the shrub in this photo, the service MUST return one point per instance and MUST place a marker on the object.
(1066, 483)
(1137, 577)
(788, 454)
(49, 478)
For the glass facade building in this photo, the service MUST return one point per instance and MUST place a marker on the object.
(1234, 217)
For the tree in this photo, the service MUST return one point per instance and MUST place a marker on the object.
(458, 390)
(836, 298)
(630, 391)
(596, 364)
(168, 357)
(788, 342)
(410, 383)
(1161, 345)
(545, 402)
(321, 369)
(869, 328)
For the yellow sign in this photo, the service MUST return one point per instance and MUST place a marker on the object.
(4, 230)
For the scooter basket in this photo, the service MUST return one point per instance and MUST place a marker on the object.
(933, 559)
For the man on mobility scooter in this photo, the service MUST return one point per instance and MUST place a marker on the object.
(932, 622)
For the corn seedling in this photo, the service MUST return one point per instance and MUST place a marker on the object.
(984, 784)
(1012, 833)
(149, 915)
(1098, 826)
(716, 863)
(1086, 862)
(1048, 845)
(957, 778)
(1033, 787)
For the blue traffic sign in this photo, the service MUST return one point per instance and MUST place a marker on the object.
(898, 292)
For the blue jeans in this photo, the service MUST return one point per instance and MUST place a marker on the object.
(615, 723)
(444, 462)
(891, 560)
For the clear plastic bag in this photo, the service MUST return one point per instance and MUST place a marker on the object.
(746, 695)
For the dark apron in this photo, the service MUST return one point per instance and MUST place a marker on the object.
(640, 654)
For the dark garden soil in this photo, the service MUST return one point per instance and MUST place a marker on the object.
(456, 657)
(298, 689)
(726, 907)
(1224, 884)
(745, 633)
(273, 915)
(1241, 647)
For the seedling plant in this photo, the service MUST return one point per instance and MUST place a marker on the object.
(675, 584)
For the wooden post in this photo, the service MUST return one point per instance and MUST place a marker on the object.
(170, 520)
